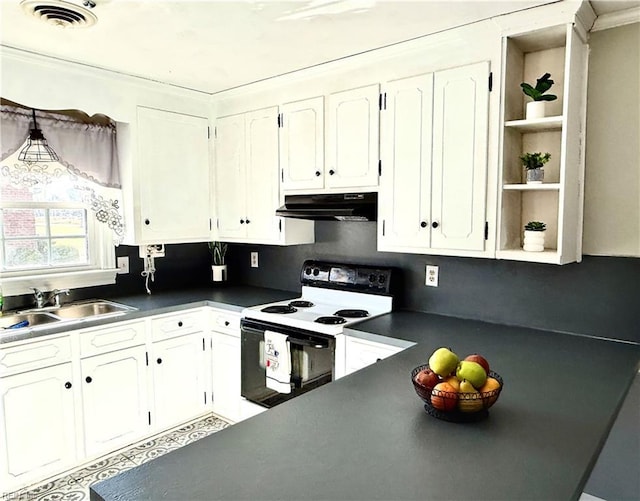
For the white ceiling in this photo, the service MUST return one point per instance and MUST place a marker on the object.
(216, 45)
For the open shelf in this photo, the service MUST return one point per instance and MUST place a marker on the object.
(548, 256)
(536, 124)
(532, 187)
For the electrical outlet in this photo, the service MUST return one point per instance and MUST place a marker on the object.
(123, 265)
(151, 250)
(431, 278)
(254, 259)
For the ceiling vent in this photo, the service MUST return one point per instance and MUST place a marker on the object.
(61, 13)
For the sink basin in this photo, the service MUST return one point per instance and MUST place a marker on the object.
(34, 319)
(89, 309)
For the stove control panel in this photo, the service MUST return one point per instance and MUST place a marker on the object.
(356, 278)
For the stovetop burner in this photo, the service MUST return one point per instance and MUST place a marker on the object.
(352, 313)
(333, 320)
(301, 304)
(279, 308)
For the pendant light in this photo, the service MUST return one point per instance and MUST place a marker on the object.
(37, 149)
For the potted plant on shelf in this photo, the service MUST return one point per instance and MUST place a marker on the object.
(533, 164)
(534, 236)
(537, 107)
(218, 251)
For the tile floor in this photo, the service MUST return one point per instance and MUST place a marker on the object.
(75, 486)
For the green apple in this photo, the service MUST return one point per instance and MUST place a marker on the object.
(472, 372)
(443, 362)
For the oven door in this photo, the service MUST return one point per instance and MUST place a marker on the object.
(312, 362)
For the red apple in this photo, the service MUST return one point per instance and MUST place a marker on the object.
(479, 359)
(444, 397)
(427, 378)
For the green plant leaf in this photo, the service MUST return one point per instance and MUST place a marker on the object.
(547, 97)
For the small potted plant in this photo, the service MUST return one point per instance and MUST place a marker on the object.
(537, 107)
(218, 251)
(534, 164)
(534, 236)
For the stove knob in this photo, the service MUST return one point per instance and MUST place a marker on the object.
(316, 272)
(307, 271)
(382, 279)
(372, 278)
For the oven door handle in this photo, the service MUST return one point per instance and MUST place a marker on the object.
(312, 344)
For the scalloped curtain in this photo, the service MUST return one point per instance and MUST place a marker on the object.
(87, 152)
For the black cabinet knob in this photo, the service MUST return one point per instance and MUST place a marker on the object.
(242, 221)
(318, 173)
(88, 379)
(67, 385)
(248, 221)
(378, 359)
(180, 323)
(332, 172)
(146, 221)
(159, 360)
(423, 224)
(226, 323)
(434, 224)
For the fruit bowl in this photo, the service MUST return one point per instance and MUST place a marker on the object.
(475, 405)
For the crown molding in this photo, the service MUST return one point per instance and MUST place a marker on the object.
(615, 19)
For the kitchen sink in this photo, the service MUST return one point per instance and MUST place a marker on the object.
(90, 309)
(33, 319)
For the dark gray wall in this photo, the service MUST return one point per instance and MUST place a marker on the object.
(599, 296)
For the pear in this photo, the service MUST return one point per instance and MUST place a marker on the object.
(472, 372)
(443, 361)
(469, 399)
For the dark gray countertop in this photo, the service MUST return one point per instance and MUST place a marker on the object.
(366, 436)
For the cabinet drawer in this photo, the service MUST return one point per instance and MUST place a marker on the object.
(176, 324)
(361, 353)
(223, 321)
(114, 337)
(36, 355)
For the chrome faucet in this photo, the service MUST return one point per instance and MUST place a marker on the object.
(54, 298)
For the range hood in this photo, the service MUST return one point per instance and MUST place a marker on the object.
(331, 206)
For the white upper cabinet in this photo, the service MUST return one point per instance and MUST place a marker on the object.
(302, 144)
(406, 134)
(460, 134)
(558, 200)
(247, 185)
(170, 182)
(434, 162)
(353, 138)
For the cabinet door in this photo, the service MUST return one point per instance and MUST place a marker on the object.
(302, 144)
(361, 353)
(179, 382)
(405, 186)
(353, 138)
(173, 154)
(114, 393)
(230, 177)
(262, 182)
(37, 424)
(225, 353)
(460, 126)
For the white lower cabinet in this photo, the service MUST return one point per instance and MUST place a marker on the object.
(360, 353)
(179, 381)
(37, 421)
(114, 396)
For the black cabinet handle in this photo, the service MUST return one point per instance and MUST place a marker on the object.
(159, 360)
(248, 221)
(434, 224)
(88, 379)
(423, 224)
(180, 323)
(226, 323)
(378, 359)
(147, 222)
(67, 385)
(242, 221)
(318, 173)
(332, 172)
